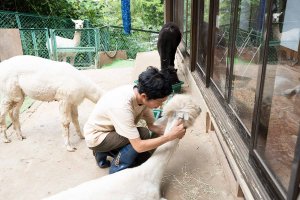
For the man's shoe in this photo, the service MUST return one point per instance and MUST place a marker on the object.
(101, 159)
(124, 159)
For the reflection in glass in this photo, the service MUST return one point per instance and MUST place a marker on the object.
(187, 24)
(203, 33)
(246, 60)
(279, 121)
(220, 44)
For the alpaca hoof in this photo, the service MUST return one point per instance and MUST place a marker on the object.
(71, 149)
(6, 140)
(80, 135)
(21, 137)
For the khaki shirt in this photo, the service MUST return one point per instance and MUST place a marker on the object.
(117, 110)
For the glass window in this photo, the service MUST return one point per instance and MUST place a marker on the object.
(203, 11)
(247, 58)
(187, 25)
(221, 40)
(178, 14)
(183, 19)
(280, 110)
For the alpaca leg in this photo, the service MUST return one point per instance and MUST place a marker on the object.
(74, 115)
(15, 118)
(64, 59)
(4, 109)
(59, 57)
(72, 60)
(65, 112)
(172, 56)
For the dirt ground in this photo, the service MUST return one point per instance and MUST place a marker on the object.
(40, 166)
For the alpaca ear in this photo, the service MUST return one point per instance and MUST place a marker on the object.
(73, 20)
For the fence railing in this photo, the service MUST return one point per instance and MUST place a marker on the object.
(113, 39)
(34, 42)
(92, 40)
(85, 54)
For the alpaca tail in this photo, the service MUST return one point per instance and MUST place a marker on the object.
(94, 94)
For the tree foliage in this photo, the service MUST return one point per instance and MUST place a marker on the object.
(145, 14)
(42, 7)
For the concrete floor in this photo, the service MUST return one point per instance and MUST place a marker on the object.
(40, 165)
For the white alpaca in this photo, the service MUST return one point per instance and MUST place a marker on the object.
(142, 182)
(67, 43)
(44, 80)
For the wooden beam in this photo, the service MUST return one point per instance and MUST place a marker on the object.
(168, 12)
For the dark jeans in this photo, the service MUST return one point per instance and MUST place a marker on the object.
(115, 141)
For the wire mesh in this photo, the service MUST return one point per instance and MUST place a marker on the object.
(248, 44)
(85, 54)
(34, 42)
(8, 20)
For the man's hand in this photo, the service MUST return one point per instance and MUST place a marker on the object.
(178, 131)
(157, 129)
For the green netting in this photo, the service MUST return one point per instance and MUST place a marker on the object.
(247, 42)
(248, 45)
(8, 20)
(34, 42)
(86, 52)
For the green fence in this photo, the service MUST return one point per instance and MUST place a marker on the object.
(86, 54)
(112, 38)
(36, 32)
(92, 41)
(34, 42)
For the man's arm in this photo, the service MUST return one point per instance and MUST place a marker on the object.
(140, 145)
(157, 129)
(149, 118)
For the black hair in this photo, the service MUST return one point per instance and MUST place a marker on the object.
(154, 84)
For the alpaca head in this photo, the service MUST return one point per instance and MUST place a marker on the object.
(182, 106)
(78, 23)
(276, 17)
(291, 92)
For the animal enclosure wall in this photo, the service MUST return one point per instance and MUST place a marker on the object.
(10, 43)
(108, 57)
